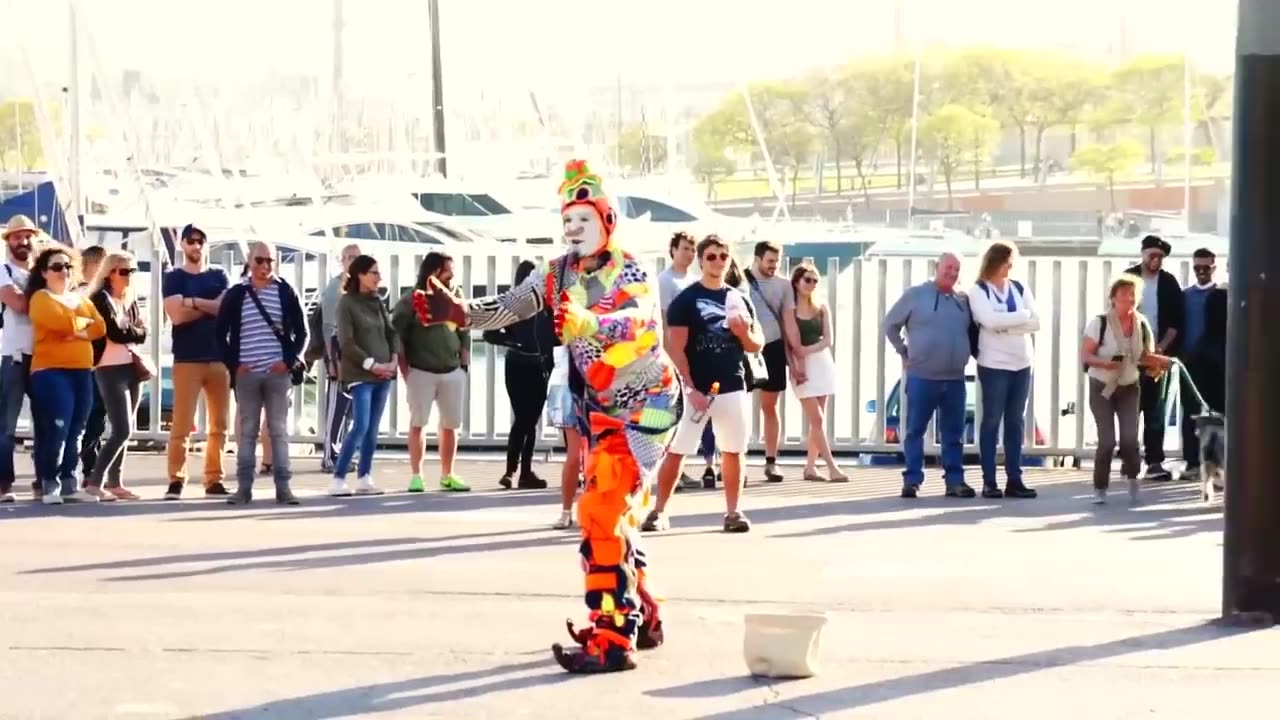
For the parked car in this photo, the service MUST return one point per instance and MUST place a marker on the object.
(893, 430)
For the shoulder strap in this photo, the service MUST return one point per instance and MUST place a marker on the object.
(755, 285)
(275, 329)
(983, 284)
(1017, 286)
(1102, 327)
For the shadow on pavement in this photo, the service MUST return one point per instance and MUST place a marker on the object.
(859, 696)
(402, 694)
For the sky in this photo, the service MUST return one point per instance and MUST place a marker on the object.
(520, 44)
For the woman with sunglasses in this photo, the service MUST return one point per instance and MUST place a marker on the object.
(818, 382)
(119, 369)
(64, 325)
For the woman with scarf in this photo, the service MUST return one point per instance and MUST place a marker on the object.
(1117, 348)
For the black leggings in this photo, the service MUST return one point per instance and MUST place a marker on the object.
(527, 389)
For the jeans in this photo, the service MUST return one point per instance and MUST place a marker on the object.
(15, 384)
(947, 399)
(254, 392)
(1152, 395)
(527, 390)
(708, 447)
(1004, 397)
(1121, 407)
(119, 393)
(64, 397)
(368, 400)
(91, 444)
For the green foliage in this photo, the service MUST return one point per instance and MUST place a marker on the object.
(1107, 161)
(1200, 156)
(19, 131)
(956, 136)
(641, 151)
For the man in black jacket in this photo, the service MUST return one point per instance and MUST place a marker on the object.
(261, 333)
(1204, 353)
(1162, 304)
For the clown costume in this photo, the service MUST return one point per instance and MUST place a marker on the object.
(607, 315)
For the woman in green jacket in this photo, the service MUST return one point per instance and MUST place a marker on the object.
(368, 366)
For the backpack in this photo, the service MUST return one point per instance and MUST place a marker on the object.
(1102, 331)
(974, 330)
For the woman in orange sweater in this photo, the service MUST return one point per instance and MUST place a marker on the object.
(64, 325)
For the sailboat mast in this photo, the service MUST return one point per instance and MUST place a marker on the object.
(437, 89)
(76, 92)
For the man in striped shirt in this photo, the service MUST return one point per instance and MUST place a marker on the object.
(262, 332)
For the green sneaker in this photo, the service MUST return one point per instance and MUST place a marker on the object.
(453, 483)
(415, 485)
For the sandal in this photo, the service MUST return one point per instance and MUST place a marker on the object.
(838, 478)
(813, 476)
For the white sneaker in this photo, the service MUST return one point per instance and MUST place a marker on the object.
(338, 488)
(1099, 497)
(1133, 490)
(81, 496)
(52, 500)
(365, 486)
(566, 520)
(7, 497)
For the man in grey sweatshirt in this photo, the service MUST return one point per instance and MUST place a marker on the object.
(934, 354)
(338, 403)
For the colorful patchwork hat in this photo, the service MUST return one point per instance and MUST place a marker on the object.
(583, 187)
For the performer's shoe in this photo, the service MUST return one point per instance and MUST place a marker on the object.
(649, 637)
(580, 662)
(579, 636)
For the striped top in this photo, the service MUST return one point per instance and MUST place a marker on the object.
(259, 346)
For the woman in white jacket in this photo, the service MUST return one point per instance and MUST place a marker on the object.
(1006, 317)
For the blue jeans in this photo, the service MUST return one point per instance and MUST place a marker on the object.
(1004, 397)
(924, 398)
(708, 446)
(14, 386)
(368, 400)
(65, 398)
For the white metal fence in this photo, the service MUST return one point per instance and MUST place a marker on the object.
(863, 416)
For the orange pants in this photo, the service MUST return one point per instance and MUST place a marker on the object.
(189, 381)
(608, 513)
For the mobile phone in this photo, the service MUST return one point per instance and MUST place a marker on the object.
(1117, 358)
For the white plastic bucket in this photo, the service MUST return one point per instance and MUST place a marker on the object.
(782, 645)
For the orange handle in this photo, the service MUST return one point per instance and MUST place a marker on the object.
(715, 389)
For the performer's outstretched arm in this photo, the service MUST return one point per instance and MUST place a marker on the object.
(498, 311)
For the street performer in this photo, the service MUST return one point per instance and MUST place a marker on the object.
(607, 315)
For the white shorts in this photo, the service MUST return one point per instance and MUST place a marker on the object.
(730, 414)
(449, 390)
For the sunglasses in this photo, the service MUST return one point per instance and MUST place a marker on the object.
(1202, 268)
(126, 272)
(716, 256)
(59, 267)
(195, 241)
(263, 261)
(809, 280)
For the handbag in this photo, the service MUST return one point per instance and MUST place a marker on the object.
(142, 367)
(297, 373)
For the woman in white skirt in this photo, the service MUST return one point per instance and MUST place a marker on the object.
(818, 382)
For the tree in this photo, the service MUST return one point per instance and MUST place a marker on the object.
(1149, 90)
(824, 100)
(639, 150)
(955, 136)
(1003, 80)
(20, 135)
(713, 136)
(1108, 161)
(890, 84)
(789, 140)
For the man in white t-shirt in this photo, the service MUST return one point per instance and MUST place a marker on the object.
(15, 344)
(671, 281)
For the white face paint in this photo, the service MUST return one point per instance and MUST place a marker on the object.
(583, 229)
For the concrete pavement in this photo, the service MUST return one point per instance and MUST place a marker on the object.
(435, 605)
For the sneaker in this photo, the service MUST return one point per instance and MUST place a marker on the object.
(216, 490)
(365, 486)
(102, 495)
(565, 522)
(453, 483)
(1099, 496)
(960, 491)
(7, 497)
(709, 478)
(736, 522)
(240, 497)
(80, 496)
(687, 483)
(415, 484)
(285, 496)
(338, 488)
(1020, 492)
(655, 522)
(505, 481)
(1157, 473)
(910, 492)
(51, 499)
(174, 492)
(1134, 489)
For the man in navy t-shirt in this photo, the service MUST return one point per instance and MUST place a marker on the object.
(192, 294)
(710, 329)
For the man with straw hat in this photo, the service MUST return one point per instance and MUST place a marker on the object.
(20, 235)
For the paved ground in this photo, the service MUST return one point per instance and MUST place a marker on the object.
(444, 606)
